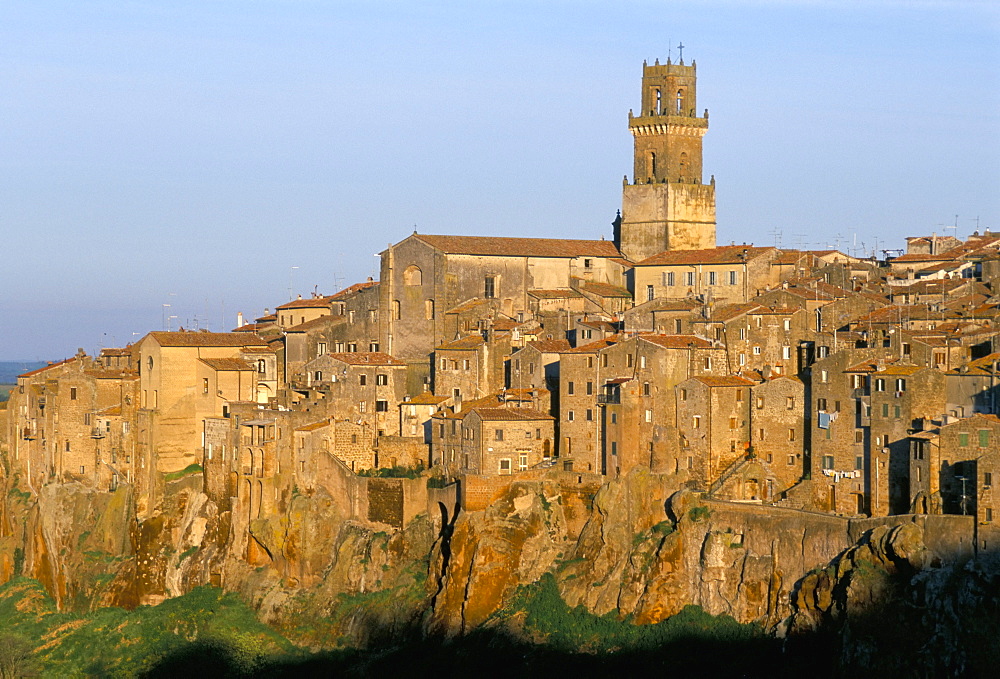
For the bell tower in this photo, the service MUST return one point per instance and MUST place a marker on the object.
(666, 206)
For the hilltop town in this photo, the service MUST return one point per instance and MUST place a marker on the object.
(763, 379)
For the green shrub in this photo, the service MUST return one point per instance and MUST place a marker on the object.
(187, 471)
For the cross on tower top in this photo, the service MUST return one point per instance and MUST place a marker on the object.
(680, 51)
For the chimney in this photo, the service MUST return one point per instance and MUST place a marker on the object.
(239, 320)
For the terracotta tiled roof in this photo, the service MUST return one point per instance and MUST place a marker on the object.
(510, 414)
(595, 346)
(899, 369)
(727, 254)
(551, 346)
(678, 341)
(605, 289)
(426, 399)
(111, 411)
(520, 247)
(555, 294)
(32, 373)
(206, 339)
(227, 364)
(307, 303)
(468, 305)
(348, 291)
(366, 358)
(467, 343)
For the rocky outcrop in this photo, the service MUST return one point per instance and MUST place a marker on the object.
(642, 550)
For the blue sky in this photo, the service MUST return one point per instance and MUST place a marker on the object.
(193, 153)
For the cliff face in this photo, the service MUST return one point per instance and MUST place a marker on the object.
(641, 549)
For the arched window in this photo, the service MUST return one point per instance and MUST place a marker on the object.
(652, 164)
(412, 275)
(261, 366)
(658, 103)
(683, 164)
(680, 101)
(429, 309)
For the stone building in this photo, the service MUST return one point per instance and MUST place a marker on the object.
(505, 440)
(732, 273)
(666, 206)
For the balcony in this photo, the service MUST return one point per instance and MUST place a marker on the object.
(609, 399)
(29, 434)
(98, 433)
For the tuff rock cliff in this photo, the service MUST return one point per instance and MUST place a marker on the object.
(639, 548)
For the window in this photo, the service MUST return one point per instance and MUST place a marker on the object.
(696, 422)
(900, 384)
(588, 263)
(490, 290)
(836, 406)
(987, 479)
(790, 402)
(756, 351)
(362, 380)
(859, 463)
(879, 384)
(466, 364)
(787, 324)
(743, 333)
(732, 423)
(739, 395)
(689, 278)
(786, 352)
(821, 404)
(569, 416)
(505, 466)
(628, 360)
(684, 394)
(396, 312)
(429, 309)
(363, 406)
(828, 462)
(897, 412)
(381, 379)
(569, 388)
(708, 363)
(498, 435)
(670, 278)
(791, 434)
(321, 348)
(645, 388)
(761, 434)
(859, 436)
(885, 410)
(823, 376)
(590, 415)
(733, 278)
(522, 461)
(712, 278)
(72, 393)
(649, 415)
(760, 402)
(590, 388)
(791, 459)
(984, 438)
(642, 361)
(412, 275)
(742, 359)
(531, 368)
(650, 295)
